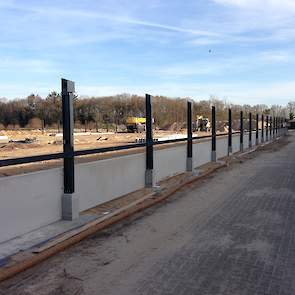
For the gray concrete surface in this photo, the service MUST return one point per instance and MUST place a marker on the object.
(232, 233)
(43, 234)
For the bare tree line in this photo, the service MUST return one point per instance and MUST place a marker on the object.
(112, 111)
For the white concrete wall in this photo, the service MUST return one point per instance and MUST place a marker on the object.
(236, 143)
(221, 147)
(201, 153)
(32, 200)
(101, 181)
(29, 201)
(246, 141)
(170, 161)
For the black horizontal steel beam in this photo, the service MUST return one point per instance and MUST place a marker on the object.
(31, 159)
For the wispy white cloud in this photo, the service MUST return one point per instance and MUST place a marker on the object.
(219, 66)
(188, 69)
(270, 17)
(29, 65)
(205, 41)
(281, 5)
(277, 56)
(83, 14)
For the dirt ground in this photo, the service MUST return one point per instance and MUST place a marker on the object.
(44, 143)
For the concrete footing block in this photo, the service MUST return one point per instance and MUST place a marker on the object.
(230, 151)
(70, 207)
(213, 156)
(189, 164)
(241, 147)
(149, 178)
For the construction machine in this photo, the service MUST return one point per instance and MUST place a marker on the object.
(135, 124)
(202, 124)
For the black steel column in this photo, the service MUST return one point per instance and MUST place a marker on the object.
(257, 129)
(68, 89)
(267, 128)
(241, 132)
(149, 142)
(274, 127)
(250, 130)
(281, 125)
(189, 161)
(230, 132)
(270, 127)
(213, 152)
(262, 128)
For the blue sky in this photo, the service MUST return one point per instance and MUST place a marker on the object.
(239, 50)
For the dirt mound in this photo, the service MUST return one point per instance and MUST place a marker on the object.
(18, 146)
(176, 126)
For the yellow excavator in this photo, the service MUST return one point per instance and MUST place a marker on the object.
(135, 124)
